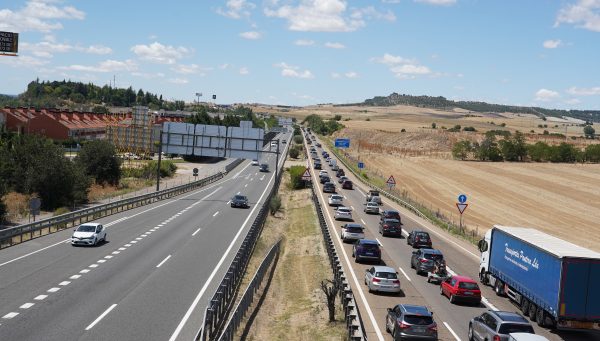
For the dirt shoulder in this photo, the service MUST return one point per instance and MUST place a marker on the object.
(294, 304)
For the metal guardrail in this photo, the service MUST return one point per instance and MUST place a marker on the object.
(248, 297)
(233, 164)
(217, 310)
(25, 232)
(354, 323)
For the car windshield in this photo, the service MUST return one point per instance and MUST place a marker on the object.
(507, 328)
(86, 228)
(392, 222)
(386, 275)
(418, 320)
(374, 193)
(468, 286)
(344, 210)
(336, 197)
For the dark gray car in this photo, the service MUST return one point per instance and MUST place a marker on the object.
(423, 260)
(239, 201)
(406, 321)
(496, 325)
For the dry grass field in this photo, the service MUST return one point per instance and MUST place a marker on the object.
(561, 199)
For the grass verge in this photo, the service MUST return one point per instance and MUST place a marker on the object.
(294, 306)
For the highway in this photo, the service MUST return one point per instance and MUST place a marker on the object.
(462, 258)
(150, 281)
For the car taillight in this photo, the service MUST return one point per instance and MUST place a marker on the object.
(403, 325)
(417, 239)
(385, 227)
(376, 280)
(433, 327)
(496, 338)
(396, 281)
(423, 260)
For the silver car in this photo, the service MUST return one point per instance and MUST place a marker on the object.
(497, 325)
(343, 213)
(372, 208)
(335, 200)
(351, 232)
(382, 278)
(89, 234)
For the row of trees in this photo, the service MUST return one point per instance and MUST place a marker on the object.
(62, 93)
(33, 164)
(515, 148)
(231, 117)
(319, 126)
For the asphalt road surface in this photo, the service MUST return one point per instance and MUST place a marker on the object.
(150, 281)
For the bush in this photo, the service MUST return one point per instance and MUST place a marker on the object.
(592, 153)
(337, 117)
(294, 153)
(469, 129)
(61, 210)
(99, 160)
(296, 173)
(298, 139)
(433, 125)
(503, 124)
(403, 130)
(461, 150)
(275, 204)
(368, 119)
(456, 128)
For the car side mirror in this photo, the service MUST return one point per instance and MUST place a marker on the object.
(414, 252)
(389, 310)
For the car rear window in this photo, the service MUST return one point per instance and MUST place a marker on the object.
(418, 320)
(507, 328)
(386, 275)
(468, 286)
(433, 257)
(370, 246)
(354, 229)
(423, 236)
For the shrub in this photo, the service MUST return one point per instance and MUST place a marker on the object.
(337, 117)
(592, 153)
(403, 130)
(275, 204)
(469, 129)
(433, 125)
(61, 210)
(368, 119)
(503, 124)
(298, 139)
(461, 149)
(296, 173)
(294, 153)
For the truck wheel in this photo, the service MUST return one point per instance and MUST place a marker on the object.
(525, 306)
(533, 312)
(541, 317)
(482, 277)
(498, 287)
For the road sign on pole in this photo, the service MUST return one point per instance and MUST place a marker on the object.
(361, 165)
(462, 198)
(461, 207)
(391, 182)
(342, 143)
(306, 175)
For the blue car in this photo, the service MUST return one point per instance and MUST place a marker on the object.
(366, 249)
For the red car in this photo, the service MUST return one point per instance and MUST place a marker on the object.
(461, 288)
(347, 184)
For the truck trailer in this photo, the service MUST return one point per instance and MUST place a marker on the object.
(554, 282)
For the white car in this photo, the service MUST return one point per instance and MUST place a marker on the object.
(351, 232)
(89, 234)
(335, 200)
(343, 213)
(254, 162)
(323, 172)
(382, 278)
(372, 207)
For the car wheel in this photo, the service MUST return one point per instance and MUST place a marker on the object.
(441, 290)
(357, 259)
(532, 311)
(412, 266)
(104, 239)
(452, 299)
(471, 338)
(387, 328)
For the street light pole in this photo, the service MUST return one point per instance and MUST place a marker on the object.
(158, 166)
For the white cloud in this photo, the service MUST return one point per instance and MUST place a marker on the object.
(438, 2)
(316, 16)
(391, 1)
(573, 101)
(371, 13)
(409, 71)
(244, 71)
(304, 42)
(351, 74)
(23, 61)
(46, 49)
(545, 95)
(335, 75)
(224, 66)
(293, 71)
(335, 45)
(595, 91)
(159, 53)
(405, 68)
(37, 16)
(108, 65)
(98, 49)
(585, 14)
(552, 44)
(252, 35)
(389, 59)
(186, 69)
(236, 9)
(148, 75)
(178, 80)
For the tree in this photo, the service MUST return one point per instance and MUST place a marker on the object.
(589, 132)
(337, 117)
(433, 125)
(538, 152)
(99, 160)
(330, 294)
(298, 139)
(296, 173)
(519, 145)
(200, 117)
(461, 149)
(488, 150)
(508, 150)
(294, 153)
(592, 153)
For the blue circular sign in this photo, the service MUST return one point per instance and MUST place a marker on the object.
(462, 198)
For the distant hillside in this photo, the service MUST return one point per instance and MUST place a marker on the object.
(443, 103)
(82, 96)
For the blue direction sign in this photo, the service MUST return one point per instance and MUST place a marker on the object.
(361, 165)
(342, 143)
(462, 198)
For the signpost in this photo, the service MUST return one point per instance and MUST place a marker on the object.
(342, 143)
(195, 173)
(361, 165)
(462, 206)
(34, 207)
(391, 182)
(306, 175)
(9, 43)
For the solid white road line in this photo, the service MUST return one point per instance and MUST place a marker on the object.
(101, 317)
(487, 303)
(361, 192)
(379, 242)
(188, 313)
(198, 230)
(40, 297)
(34, 252)
(163, 261)
(27, 305)
(405, 275)
(452, 331)
(362, 221)
(10, 315)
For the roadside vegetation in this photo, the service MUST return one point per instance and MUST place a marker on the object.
(319, 126)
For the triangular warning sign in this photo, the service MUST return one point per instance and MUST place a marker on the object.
(461, 207)
(306, 175)
(391, 180)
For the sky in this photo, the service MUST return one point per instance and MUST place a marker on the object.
(301, 52)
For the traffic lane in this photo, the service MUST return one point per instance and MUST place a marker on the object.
(106, 279)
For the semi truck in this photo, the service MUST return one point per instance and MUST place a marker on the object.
(554, 282)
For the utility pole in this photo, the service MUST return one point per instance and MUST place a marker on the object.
(159, 159)
(277, 161)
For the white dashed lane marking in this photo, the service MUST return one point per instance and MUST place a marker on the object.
(198, 230)
(75, 276)
(63, 283)
(163, 262)
(405, 275)
(40, 297)
(27, 305)
(214, 215)
(10, 315)
(101, 317)
(55, 289)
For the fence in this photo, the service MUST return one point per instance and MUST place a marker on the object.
(248, 297)
(25, 232)
(215, 314)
